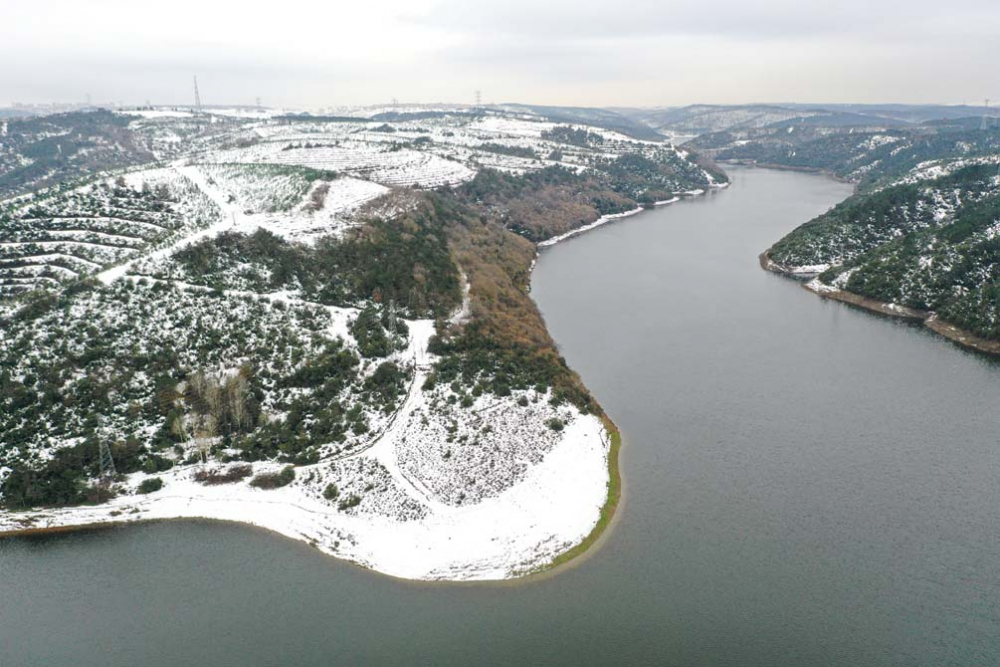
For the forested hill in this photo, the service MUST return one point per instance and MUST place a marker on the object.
(42, 151)
(869, 153)
(930, 241)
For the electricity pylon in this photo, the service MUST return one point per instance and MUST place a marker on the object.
(197, 96)
(107, 462)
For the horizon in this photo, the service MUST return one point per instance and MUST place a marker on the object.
(583, 54)
(112, 105)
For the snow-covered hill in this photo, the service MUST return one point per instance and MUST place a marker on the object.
(317, 325)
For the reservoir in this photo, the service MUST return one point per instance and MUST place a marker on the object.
(805, 484)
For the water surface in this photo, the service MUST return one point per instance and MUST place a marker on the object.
(806, 484)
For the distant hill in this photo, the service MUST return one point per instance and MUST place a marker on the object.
(910, 113)
(868, 155)
(41, 151)
(698, 119)
(704, 118)
(14, 113)
(605, 118)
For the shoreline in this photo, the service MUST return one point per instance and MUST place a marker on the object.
(458, 545)
(612, 217)
(292, 516)
(607, 520)
(561, 562)
(929, 319)
(547, 561)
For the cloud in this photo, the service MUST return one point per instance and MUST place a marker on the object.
(746, 19)
(584, 52)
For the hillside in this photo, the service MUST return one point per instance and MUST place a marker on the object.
(321, 326)
(42, 151)
(706, 119)
(866, 153)
(925, 246)
(700, 119)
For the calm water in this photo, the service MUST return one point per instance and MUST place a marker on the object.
(806, 484)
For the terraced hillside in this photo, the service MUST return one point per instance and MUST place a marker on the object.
(79, 231)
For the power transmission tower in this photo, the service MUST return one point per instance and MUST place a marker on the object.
(197, 96)
(258, 104)
(107, 462)
(479, 98)
(986, 118)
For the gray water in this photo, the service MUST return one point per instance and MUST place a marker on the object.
(806, 484)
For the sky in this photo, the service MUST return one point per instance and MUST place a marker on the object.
(311, 54)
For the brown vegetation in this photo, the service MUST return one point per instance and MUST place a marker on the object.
(506, 323)
(542, 204)
(225, 476)
(317, 200)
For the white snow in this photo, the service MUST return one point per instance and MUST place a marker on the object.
(808, 270)
(553, 506)
(232, 218)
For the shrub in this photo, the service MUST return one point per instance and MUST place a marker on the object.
(350, 501)
(555, 424)
(150, 485)
(331, 492)
(226, 476)
(274, 480)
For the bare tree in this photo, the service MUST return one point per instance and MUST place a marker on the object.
(215, 400)
(179, 428)
(236, 391)
(204, 435)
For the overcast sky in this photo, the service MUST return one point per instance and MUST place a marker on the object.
(307, 53)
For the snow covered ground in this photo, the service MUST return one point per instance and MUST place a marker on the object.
(435, 490)
(409, 524)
